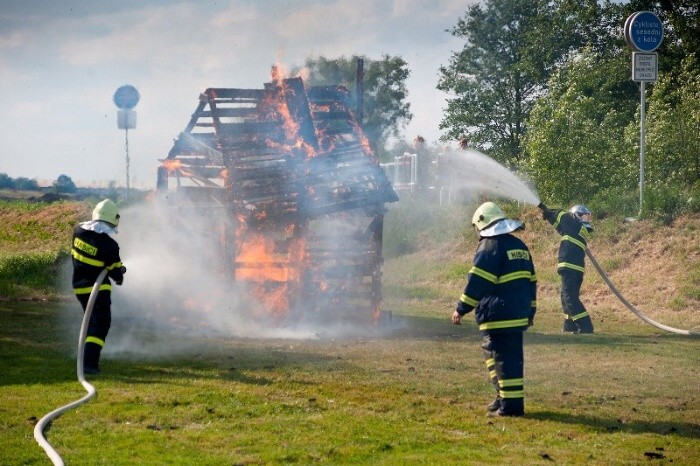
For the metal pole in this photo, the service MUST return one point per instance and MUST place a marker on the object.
(126, 145)
(359, 90)
(642, 116)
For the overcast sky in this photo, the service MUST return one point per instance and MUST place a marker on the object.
(61, 61)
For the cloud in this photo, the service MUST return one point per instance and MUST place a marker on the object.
(13, 39)
(238, 14)
(62, 62)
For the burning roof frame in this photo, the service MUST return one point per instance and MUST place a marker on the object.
(299, 192)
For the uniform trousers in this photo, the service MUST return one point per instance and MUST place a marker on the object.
(577, 318)
(505, 363)
(98, 327)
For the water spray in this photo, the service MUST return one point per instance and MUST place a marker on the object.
(481, 173)
(43, 422)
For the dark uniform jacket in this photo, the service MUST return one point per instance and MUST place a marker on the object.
(91, 253)
(501, 285)
(574, 239)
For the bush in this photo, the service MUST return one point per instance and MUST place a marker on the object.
(34, 270)
(615, 202)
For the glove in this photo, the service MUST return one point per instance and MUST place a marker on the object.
(122, 269)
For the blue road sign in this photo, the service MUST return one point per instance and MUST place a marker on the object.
(126, 97)
(644, 31)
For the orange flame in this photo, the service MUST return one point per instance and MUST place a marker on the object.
(291, 126)
(172, 165)
(258, 261)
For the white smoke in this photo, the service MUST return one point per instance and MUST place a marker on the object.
(175, 290)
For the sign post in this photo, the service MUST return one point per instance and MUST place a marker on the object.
(643, 33)
(126, 98)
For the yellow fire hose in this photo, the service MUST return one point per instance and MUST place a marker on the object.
(39, 428)
(629, 306)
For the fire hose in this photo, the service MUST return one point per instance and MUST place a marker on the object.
(629, 306)
(622, 299)
(39, 428)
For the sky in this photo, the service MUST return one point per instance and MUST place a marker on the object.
(62, 61)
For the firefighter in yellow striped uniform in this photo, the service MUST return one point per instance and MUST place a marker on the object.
(502, 290)
(575, 228)
(93, 250)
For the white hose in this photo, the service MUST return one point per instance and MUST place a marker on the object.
(634, 310)
(39, 428)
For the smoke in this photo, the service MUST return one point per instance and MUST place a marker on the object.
(176, 295)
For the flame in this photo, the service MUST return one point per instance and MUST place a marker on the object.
(258, 261)
(172, 165)
(279, 71)
(290, 125)
(292, 130)
(376, 313)
(266, 273)
(272, 276)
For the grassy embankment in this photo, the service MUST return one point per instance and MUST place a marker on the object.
(412, 395)
(34, 239)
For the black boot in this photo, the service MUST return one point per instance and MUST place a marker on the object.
(510, 407)
(91, 358)
(570, 326)
(495, 405)
(584, 325)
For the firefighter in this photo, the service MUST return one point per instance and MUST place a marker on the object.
(575, 228)
(92, 250)
(502, 289)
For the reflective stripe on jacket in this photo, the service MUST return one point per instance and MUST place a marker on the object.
(92, 252)
(574, 239)
(501, 285)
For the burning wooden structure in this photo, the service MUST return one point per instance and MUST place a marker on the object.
(299, 194)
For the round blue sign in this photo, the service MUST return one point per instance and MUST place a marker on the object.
(644, 31)
(126, 97)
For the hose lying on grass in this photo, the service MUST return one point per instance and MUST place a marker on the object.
(634, 310)
(39, 428)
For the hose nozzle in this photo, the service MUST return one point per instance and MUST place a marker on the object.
(541, 206)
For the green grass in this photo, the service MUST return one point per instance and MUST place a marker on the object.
(412, 391)
(413, 396)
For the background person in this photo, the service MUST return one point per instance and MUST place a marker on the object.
(502, 289)
(574, 227)
(93, 250)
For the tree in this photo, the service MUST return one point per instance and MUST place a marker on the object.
(511, 49)
(64, 184)
(575, 143)
(672, 155)
(26, 184)
(386, 111)
(582, 143)
(6, 182)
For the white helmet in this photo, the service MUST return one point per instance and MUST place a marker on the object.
(107, 211)
(583, 214)
(489, 220)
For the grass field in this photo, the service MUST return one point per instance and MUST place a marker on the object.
(410, 391)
